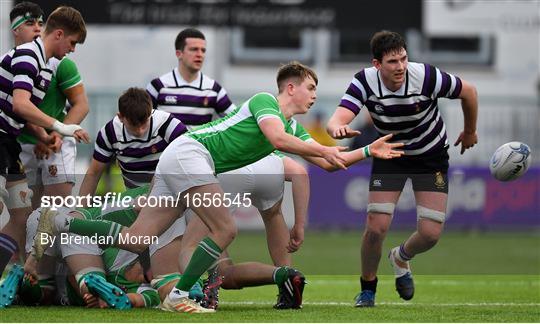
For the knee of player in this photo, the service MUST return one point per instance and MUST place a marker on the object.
(430, 236)
(430, 223)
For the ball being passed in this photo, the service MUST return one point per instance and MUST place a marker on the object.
(510, 161)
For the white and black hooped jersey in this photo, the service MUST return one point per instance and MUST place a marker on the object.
(137, 156)
(193, 103)
(410, 113)
(24, 67)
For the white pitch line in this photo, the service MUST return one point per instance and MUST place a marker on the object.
(391, 303)
(433, 282)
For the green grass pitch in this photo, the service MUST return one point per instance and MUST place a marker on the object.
(478, 277)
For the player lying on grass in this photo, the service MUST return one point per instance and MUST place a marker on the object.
(89, 268)
(189, 165)
(40, 285)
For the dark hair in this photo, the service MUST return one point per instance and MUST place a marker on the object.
(385, 42)
(294, 70)
(180, 41)
(69, 20)
(135, 105)
(24, 7)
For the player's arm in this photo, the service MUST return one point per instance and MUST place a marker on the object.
(39, 132)
(469, 105)
(297, 175)
(91, 178)
(78, 101)
(380, 149)
(272, 128)
(338, 125)
(23, 107)
(70, 82)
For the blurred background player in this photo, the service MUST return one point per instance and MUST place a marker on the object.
(401, 97)
(186, 92)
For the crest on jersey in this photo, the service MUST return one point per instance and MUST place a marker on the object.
(53, 170)
(205, 102)
(379, 108)
(153, 149)
(439, 180)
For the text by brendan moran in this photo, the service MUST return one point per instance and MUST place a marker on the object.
(68, 238)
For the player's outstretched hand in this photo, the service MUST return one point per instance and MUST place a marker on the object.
(467, 140)
(333, 155)
(381, 149)
(344, 131)
(297, 238)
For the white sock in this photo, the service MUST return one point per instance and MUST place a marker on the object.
(398, 271)
(176, 294)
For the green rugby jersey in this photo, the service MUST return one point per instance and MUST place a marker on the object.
(236, 140)
(65, 76)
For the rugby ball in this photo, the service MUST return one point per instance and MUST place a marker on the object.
(510, 161)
